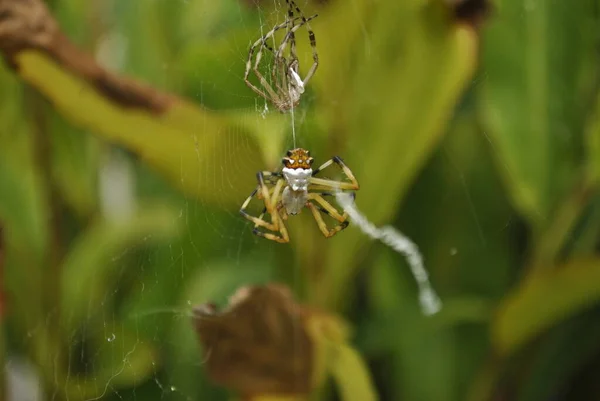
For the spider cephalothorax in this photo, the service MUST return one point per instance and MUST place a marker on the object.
(297, 158)
(287, 192)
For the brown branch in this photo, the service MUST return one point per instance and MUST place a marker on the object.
(28, 25)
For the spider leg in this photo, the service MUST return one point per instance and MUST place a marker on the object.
(269, 199)
(292, 31)
(279, 76)
(283, 213)
(291, 23)
(284, 238)
(272, 36)
(275, 217)
(291, 5)
(290, 69)
(321, 223)
(311, 38)
(274, 97)
(258, 222)
(313, 45)
(263, 192)
(327, 208)
(326, 184)
(279, 73)
(261, 43)
(247, 72)
(325, 193)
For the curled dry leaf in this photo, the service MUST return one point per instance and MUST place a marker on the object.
(258, 345)
(471, 12)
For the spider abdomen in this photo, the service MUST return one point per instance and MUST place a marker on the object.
(293, 201)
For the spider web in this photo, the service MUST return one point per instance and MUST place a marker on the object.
(153, 287)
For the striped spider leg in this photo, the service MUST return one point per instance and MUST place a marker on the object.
(290, 67)
(296, 188)
(272, 200)
(319, 188)
(261, 43)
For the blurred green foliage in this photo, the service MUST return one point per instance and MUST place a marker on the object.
(483, 146)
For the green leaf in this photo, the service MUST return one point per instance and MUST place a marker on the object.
(420, 349)
(272, 133)
(74, 166)
(462, 223)
(593, 144)
(277, 398)
(88, 271)
(121, 359)
(461, 310)
(351, 374)
(543, 300)
(399, 100)
(533, 103)
(24, 219)
(336, 358)
(124, 358)
(200, 152)
(392, 107)
(560, 356)
(22, 210)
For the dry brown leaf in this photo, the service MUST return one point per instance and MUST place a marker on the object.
(258, 345)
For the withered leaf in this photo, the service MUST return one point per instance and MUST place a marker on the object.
(472, 12)
(258, 345)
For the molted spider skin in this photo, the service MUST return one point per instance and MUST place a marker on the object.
(286, 86)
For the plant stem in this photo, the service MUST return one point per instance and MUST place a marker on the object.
(552, 240)
(2, 307)
(51, 271)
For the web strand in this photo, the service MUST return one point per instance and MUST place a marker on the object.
(293, 123)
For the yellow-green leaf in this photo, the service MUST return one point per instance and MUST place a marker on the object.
(202, 153)
(121, 358)
(90, 268)
(593, 142)
(392, 108)
(532, 102)
(351, 374)
(543, 300)
(334, 357)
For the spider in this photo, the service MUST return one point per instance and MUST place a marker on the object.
(289, 86)
(296, 187)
